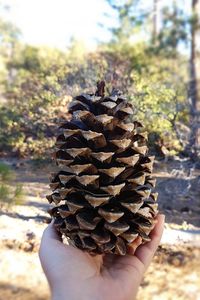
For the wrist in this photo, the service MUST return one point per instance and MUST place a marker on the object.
(59, 295)
(71, 294)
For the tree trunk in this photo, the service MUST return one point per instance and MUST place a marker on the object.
(155, 22)
(194, 142)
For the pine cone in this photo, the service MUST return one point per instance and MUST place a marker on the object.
(102, 193)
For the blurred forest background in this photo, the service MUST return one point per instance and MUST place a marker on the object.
(148, 49)
(152, 55)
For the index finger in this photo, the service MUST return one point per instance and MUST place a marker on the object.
(146, 252)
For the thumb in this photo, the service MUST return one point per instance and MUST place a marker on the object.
(50, 237)
(50, 233)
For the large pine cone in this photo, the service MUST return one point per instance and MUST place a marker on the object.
(102, 193)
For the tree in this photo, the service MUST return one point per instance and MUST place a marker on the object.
(9, 35)
(155, 22)
(129, 19)
(194, 143)
(174, 30)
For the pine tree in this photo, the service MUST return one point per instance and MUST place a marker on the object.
(155, 22)
(194, 143)
(130, 18)
(173, 32)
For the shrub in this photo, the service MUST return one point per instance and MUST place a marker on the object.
(6, 173)
(9, 194)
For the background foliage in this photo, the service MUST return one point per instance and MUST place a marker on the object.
(37, 82)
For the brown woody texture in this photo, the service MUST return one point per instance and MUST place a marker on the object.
(102, 198)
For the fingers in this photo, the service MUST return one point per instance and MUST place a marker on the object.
(133, 246)
(132, 266)
(146, 252)
(51, 233)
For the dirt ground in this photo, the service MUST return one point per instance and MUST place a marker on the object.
(174, 272)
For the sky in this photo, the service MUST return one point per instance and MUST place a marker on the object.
(54, 22)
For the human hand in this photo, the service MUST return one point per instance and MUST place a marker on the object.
(76, 275)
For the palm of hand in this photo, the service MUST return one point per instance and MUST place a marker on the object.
(74, 274)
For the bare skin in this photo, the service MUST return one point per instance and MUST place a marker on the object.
(76, 275)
